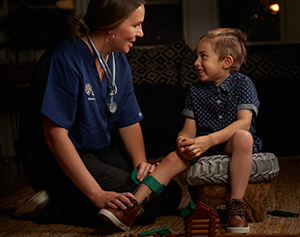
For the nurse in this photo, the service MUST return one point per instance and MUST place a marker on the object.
(80, 91)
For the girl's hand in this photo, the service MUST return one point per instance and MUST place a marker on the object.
(144, 169)
(192, 148)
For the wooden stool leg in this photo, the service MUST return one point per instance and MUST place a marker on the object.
(256, 197)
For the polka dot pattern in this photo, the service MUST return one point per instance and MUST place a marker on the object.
(215, 107)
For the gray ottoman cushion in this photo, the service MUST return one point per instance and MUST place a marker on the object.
(214, 170)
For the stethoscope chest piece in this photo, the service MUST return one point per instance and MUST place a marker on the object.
(112, 107)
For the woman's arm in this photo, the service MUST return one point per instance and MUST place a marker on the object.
(133, 141)
(66, 155)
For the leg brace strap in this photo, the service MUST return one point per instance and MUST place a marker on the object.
(153, 184)
(150, 181)
(133, 176)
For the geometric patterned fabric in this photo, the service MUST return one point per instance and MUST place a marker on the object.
(173, 64)
(273, 62)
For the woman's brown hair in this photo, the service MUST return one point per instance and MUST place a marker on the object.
(103, 15)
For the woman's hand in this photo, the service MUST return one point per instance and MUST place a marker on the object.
(144, 169)
(114, 200)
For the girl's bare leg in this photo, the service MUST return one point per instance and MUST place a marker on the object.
(170, 166)
(240, 146)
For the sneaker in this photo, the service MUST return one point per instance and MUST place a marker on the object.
(236, 220)
(32, 208)
(122, 218)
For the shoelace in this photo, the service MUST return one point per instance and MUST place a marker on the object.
(236, 207)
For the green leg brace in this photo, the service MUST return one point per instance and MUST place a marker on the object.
(153, 184)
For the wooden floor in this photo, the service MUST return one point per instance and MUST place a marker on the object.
(12, 178)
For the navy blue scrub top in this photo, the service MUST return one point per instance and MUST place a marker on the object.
(75, 99)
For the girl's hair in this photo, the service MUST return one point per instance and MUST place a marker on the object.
(103, 15)
(228, 41)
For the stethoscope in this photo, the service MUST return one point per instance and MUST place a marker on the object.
(112, 105)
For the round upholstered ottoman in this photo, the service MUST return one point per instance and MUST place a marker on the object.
(208, 181)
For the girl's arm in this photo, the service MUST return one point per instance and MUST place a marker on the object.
(188, 131)
(243, 122)
(195, 147)
(66, 155)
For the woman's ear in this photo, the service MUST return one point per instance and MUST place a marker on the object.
(227, 62)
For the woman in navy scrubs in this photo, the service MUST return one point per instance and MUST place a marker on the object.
(81, 90)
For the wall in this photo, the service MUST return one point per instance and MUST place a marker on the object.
(198, 17)
(291, 21)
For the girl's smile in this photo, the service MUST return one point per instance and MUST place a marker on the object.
(208, 65)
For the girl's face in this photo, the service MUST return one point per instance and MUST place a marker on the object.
(129, 30)
(208, 65)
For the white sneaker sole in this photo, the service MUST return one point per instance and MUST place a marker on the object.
(243, 230)
(114, 220)
(32, 203)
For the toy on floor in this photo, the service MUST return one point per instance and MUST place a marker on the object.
(203, 221)
(282, 213)
(200, 220)
(257, 235)
(153, 235)
(164, 231)
(160, 231)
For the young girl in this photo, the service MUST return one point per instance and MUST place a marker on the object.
(220, 112)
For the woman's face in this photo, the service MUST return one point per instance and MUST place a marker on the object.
(126, 33)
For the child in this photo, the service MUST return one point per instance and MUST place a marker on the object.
(220, 112)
